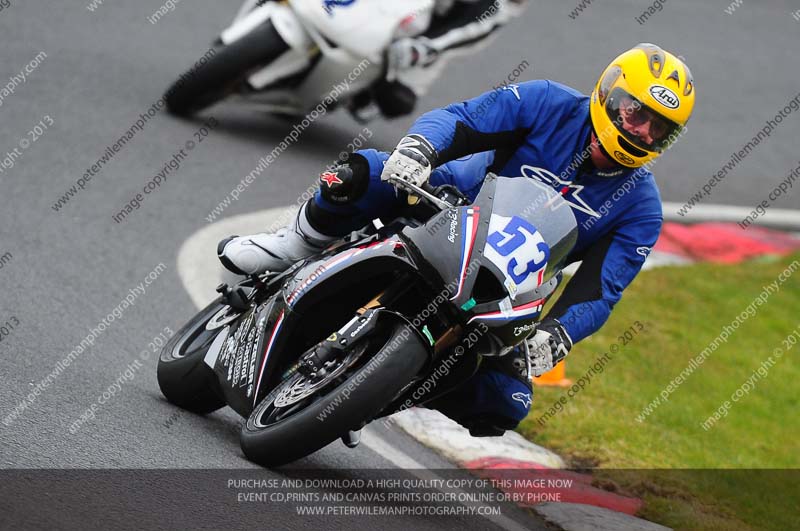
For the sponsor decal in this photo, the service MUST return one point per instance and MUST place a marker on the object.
(514, 89)
(624, 157)
(609, 173)
(335, 262)
(469, 227)
(416, 144)
(665, 96)
(519, 330)
(330, 178)
(237, 366)
(261, 327)
(644, 251)
(512, 288)
(355, 332)
(236, 349)
(508, 312)
(523, 398)
(275, 331)
(330, 5)
(453, 232)
(568, 190)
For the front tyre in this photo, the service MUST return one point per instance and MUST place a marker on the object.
(222, 74)
(184, 378)
(276, 434)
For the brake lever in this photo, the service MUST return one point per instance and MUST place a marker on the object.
(416, 190)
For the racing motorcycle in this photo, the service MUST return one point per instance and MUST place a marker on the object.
(291, 56)
(314, 353)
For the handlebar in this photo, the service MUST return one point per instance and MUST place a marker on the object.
(426, 191)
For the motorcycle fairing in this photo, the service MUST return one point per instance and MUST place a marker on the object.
(342, 22)
(528, 242)
(307, 286)
(451, 243)
(470, 225)
(282, 324)
(456, 245)
(240, 363)
(497, 239)
(269, 342)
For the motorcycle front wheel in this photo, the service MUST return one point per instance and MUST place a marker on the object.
(183, 377)
(295, 420)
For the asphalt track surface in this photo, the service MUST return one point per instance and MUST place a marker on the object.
(69, 269)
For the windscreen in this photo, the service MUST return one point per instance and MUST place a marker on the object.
(531, 232)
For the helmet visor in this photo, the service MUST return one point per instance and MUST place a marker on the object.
(639, 124)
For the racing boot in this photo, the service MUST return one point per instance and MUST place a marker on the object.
(258, 253)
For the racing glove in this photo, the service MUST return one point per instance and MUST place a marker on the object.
(547, 346)
(412, 161)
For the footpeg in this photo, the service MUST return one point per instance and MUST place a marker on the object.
(235, 298)
(352, 438)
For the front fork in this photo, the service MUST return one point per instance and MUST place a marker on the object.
(313, 363)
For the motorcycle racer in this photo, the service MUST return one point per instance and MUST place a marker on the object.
(593, 150)
(414, 62)
(457, 27)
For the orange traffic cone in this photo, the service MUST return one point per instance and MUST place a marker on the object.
(556, 377)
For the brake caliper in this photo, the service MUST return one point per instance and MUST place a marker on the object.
(313, 363)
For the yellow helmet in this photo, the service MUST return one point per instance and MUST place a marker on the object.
(641, 104)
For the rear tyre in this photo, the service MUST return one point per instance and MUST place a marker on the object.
(184, 379)
(225, 71)
(373, 385)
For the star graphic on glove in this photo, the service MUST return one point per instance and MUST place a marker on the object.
(568, 190)
(330, 178)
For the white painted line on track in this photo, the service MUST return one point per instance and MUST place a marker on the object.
(779, 218)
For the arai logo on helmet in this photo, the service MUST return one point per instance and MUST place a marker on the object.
(624, 158)
(665, 96)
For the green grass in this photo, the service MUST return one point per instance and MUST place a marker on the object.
(683, 310)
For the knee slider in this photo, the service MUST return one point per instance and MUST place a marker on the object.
(345, 183)
(488, 425)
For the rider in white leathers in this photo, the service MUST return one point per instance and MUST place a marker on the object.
(413, 63)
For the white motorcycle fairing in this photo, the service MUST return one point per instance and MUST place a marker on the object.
(343, 23)
(355, 59)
